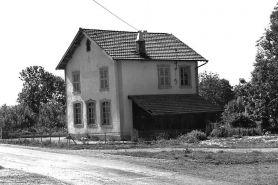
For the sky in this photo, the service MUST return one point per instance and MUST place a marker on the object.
(38, 32)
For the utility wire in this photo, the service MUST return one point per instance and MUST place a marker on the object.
(114, 14)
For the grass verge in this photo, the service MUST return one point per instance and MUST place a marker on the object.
(240, 168)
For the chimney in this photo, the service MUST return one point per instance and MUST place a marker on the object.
(140, 43)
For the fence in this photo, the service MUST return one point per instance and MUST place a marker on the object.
(92, 138)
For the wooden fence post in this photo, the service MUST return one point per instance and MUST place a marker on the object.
(105, 137)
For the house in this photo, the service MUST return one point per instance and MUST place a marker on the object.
(117, 81)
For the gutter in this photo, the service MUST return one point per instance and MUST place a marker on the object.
(206, 61)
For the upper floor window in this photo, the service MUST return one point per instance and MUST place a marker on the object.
(185, 78)
(105, 107)
(164, 80)
(77, 112)
(91, 112)
(104, 80)
(76, 81)
(88, 45)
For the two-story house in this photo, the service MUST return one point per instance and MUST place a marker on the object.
(117, 81)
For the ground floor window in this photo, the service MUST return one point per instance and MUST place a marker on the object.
(77, 112)
(105, 107)
(91, 112)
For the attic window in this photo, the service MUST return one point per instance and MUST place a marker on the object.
(88, 45)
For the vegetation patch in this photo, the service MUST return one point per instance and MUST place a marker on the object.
(216, 158)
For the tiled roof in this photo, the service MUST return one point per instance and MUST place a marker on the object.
(174, 104)
(122, 45)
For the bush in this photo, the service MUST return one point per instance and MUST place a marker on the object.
(162, 136)
(219, 132)
(243, 132)
(193, 137)
(134, 135)
(243, 121)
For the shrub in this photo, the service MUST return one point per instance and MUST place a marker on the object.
(162, 136)
(193, 137)
(243, 121)
(219, 132)
(134, 135)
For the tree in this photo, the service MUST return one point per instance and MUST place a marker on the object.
(40, 86)
(16, 117)
(265, 74)
(52, 115)
(216, 90)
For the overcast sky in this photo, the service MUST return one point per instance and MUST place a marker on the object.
(39, 32)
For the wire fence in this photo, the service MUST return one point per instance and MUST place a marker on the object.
(91, 138)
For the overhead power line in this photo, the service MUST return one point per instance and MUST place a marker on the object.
(114, 14)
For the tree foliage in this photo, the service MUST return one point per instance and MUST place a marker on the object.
(216, 90)
(40, 86)
(265, 74)
(52, 115)
(16, 117)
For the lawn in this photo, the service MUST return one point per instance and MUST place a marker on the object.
(240, 168)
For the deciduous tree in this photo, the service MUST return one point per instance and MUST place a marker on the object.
(216, 90)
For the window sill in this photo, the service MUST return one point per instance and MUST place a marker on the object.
(185, 86)
(92, 126)
(78, 126)
(164, 87)
(107, 126)
(104, 89)
(76, 92)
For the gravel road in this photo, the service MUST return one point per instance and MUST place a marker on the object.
(93, 168)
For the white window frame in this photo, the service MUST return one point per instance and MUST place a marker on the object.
(164, 81)
(186, 70)
(105, 116)
(75, 122)
(104, 78)
(76, 82)
(89, 116)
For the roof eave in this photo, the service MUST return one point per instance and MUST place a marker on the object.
(59, 66)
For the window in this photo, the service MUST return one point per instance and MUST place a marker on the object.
(76, 81)
(77, 113)
(88, 45)
(105, 112)
(185, 76)
(104, 83)
(91, 112)
(164, 81)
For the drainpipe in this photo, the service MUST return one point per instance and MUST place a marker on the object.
(196, 76)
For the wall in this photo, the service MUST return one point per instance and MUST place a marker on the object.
(88, 63)
(141, 77)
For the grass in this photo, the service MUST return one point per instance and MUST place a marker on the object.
(240, 168)
(218, 158)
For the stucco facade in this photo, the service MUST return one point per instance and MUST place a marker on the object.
(89, 63)
(141, 78)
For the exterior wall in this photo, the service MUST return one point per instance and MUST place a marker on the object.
(88, 63)
(141, 77)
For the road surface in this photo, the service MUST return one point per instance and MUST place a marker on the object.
(97, 168)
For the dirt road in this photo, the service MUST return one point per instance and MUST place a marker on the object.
(97, 168)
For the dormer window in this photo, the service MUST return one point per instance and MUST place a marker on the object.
(88, 45)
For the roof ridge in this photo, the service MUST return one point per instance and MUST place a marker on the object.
(126, 31)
